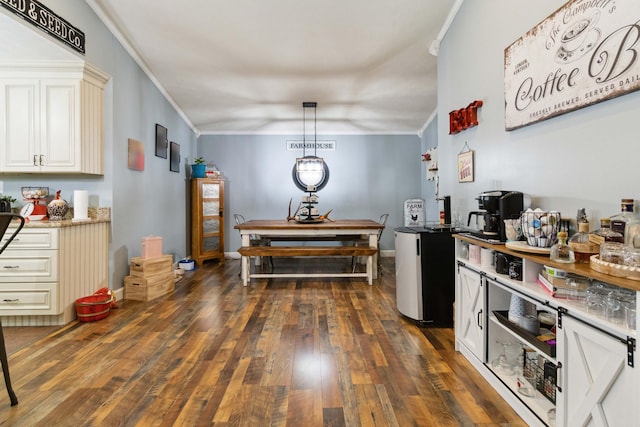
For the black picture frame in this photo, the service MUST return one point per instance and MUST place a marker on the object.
(174, 155)
(162, 141)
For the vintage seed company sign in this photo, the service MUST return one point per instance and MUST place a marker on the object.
(586, 52)
(42, 17)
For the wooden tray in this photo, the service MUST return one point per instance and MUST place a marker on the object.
(309, 221)
(612, 269)
(522, 246)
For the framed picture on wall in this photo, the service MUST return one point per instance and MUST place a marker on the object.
(135, 157)
(161, 141)
(465, 166)
(174, 157)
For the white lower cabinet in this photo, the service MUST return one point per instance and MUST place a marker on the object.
(588, 377)
(599, 387)
(45, 269)
(471, 311)
(29, 273)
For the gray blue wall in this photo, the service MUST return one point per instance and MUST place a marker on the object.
(587, 158)
(369, 176)
(143, 203)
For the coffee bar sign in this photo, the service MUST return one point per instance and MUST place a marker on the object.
(586, 52)
(42, 17)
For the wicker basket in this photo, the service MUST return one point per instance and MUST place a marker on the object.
(93, 307)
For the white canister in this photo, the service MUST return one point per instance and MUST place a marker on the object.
(530, 323)
(486, 258)
(519, 307)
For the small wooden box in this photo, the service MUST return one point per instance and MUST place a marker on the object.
(146, 267)
(151, 247)
(148, 288)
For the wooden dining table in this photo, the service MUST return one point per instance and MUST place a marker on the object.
(299, 234)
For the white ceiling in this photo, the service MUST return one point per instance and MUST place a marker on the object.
(246, 66)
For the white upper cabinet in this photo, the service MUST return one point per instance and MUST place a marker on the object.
(51, 118)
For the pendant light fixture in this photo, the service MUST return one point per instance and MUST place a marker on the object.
(310, 173)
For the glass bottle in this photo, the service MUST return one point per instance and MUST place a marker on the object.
(632, 233)
(582, 247)
(605, 234)
(619, 221)
(561, 251)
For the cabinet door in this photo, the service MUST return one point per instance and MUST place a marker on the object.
(470, 328)
(59, 125)
(598, 386)
(19, 127)
(208, 219)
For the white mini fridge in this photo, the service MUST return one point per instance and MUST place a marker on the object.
(425, 274)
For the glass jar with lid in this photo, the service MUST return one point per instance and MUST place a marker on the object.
(612, 252)
(561, 251)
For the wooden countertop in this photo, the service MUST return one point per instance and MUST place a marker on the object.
(579, 268)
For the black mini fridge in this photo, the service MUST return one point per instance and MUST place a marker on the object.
(425, 274)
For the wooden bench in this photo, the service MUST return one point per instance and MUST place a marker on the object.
(313, 251)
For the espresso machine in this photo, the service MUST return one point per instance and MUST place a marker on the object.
(494, 207)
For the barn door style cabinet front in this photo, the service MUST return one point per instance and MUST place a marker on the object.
(207, 219)
(577, 368)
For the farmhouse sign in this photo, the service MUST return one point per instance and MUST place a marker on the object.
(319, 145)
(586, 52)
(43, 18)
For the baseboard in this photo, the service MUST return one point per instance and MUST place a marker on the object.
(119, 293)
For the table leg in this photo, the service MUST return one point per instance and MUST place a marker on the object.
(245, 261)
(373, 242)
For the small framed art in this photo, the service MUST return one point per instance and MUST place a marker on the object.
(135, 158)
(174, 157)
(161, 141)
(465, 166)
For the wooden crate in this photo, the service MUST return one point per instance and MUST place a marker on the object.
(147, 267)
(148, 288)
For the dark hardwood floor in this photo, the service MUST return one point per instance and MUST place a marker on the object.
(276, 353)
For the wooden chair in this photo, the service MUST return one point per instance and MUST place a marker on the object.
(354, 260)
(253, 239)
(5, 221)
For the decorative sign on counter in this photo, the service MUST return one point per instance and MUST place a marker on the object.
(43, 18)
(414, 213)
(584, 53)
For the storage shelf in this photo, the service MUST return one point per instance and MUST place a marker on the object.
(539, 404)
(529, 342)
